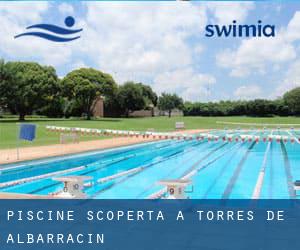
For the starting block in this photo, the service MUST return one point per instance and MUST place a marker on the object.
(176, 188)
(296, 186)
(73, 186)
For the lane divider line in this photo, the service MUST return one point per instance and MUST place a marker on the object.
(29, 179)
(236, 174)
(261, 176)
(287, 168)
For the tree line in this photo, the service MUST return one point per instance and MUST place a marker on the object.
(289, 104)
(30, 88)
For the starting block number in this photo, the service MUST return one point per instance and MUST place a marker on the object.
(74, 187)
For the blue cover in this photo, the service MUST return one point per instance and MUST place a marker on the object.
(27, 132)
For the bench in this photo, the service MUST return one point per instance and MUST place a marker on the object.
(179, 125)
(73, 137)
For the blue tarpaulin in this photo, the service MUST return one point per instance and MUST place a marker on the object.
(27, 132)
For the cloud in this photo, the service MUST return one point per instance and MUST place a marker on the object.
(248, 92)
(187, 83)
(226, 12)
(254, 55)
(65, 8)
(14, 18)
(293, 28)
(198, 49)
(139, 41)
(23, 12)
(141, 38)
(291, 80)
(158, 44)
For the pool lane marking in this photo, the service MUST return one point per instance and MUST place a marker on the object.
(127, 158)
(89, 184)
(194, 171)
(172, 171)
(145, 167)
(106, 164)
(260, 179)
(270, 189)
(160, 193)
(54, 184)
(295, 138)
(115, 176)
(54, 159)
(222, 171)
(26, 167)
(188, 174)
(288, 173)
(194, 166)
(16, 170)
(38, 177)
(237, 172)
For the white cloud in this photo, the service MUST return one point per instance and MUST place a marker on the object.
(151, 43)
(23, 11)
(247, 92)
(255, 54)
(65, 8)
(293, 28)
(141, 38)
(131, 41)
(14, 18)
(188, 84)
(198, 49)
(291, 80)
(226, 12)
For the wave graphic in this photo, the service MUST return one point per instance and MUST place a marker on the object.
(48, 36)
(55, 29)
(69, 21)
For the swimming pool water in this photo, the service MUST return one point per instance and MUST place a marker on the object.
(222, 169)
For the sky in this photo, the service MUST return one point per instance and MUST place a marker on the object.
(163, 44)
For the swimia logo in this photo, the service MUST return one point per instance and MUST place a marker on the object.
(238, 30)
(52, 32)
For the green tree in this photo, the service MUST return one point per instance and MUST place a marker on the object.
(131, 98)
(167, 102)
(149, 95)
(292, 100)
(3, 83)
(84, 85)
(26, 86)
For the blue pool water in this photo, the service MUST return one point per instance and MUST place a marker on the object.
(222, 169)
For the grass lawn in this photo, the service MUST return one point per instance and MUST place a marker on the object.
(9, 127)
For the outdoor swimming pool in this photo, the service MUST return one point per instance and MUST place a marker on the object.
(218, 169)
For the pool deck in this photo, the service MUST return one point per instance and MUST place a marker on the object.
(31, 153)
(24, 196)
